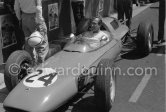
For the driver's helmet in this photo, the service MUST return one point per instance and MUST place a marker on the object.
(95, 24)
(35, 39)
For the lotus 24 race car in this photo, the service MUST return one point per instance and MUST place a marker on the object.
(80, 62)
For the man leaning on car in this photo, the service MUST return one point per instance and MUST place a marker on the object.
(29, 14)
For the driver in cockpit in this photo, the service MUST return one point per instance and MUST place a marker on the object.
(95, 25)
(94, 35)
(95, 32)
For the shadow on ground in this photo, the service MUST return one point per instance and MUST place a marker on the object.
(82, 105)
(159, 49)
(132, 55)
(82, 102)
(85, 105)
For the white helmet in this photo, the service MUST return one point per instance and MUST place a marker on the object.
(35, 39)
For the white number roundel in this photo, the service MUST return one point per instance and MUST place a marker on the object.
(41, 78)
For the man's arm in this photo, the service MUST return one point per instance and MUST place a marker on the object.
(38, 2)
(17, 9)
(41, 25)
(39, 17)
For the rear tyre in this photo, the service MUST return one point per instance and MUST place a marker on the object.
(145, 37)
(14, 73)
(104, 86)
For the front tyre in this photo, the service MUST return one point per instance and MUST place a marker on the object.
(104, 86)
(145, 37)
(15, 68)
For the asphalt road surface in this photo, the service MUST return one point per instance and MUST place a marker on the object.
(140, 81)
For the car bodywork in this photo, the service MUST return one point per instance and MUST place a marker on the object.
(46, 89)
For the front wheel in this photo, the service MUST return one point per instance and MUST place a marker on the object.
(16, 68)
(104, 86)
(145, 35)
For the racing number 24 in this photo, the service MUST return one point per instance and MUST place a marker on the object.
(47, 79)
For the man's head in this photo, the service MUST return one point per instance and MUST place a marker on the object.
(95, 24)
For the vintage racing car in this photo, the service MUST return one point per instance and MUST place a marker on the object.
(46, 87)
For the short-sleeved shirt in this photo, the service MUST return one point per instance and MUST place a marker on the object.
(26, 6)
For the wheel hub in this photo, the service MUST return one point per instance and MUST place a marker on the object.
(24, 70)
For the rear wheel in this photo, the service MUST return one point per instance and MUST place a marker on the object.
(16, 68)
(145, 35)
(105, 85)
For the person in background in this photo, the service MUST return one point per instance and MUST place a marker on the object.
(137, 2)
(78, 10)
(26, 12)
(9, 6)
(124, 7)
(29, 14)
(161, 21)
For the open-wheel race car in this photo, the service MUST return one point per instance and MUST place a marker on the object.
(82, 61)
